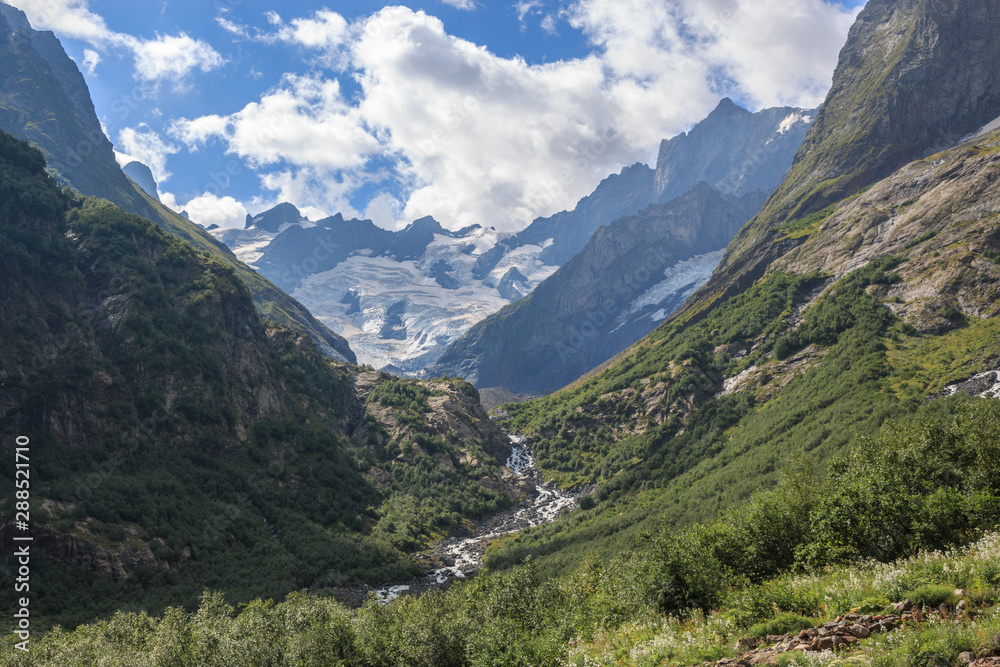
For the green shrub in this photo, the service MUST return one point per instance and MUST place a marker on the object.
(782, 624)
(932, 596)
(755, 604)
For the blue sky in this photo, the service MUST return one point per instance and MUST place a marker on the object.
(471, 111)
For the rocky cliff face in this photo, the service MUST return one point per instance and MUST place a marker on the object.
(732, 150)
(867, 285)
(940, 215)
(45, 100)
(583, 315)
(564, 234)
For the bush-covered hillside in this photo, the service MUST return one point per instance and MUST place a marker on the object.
(907, 515)
(177, 442)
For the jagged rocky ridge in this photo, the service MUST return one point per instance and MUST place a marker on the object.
(628, 278)
(402, 297)
(914, 78)
(399, 297)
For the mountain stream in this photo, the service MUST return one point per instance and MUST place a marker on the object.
(462, 556)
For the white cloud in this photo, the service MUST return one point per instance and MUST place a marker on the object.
(232, 27)
(484, 139)
(525, 7)
(209, 209)
(146, 146)
(549, 24)
(91, 59)
(122, 158)
(70, 18)
(386, 211)
(471, 137)
(305, 122)
(324, 30)
(316, 192)
(461, 4)
(195, 133)
(770, 51)
(173, 58)
(165, 58)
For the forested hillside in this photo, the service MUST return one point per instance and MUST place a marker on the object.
(179, 442)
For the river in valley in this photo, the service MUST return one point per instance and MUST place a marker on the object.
(461, 557)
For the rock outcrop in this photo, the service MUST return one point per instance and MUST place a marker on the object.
(843, 632)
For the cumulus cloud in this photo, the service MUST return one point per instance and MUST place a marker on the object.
(198, 131)
(209, 209)
(768, 51)
(71, 18)
(315, 192)
(166, 58)
(386, 211)
(305, 121)
(172, 58)
(326, 33)
(91, 59)
(143, 144)
(324, 30)
(471, 137)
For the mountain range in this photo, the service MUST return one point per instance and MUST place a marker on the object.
(639, 268)
(400, 298)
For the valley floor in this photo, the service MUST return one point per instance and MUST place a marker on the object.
(946, 614)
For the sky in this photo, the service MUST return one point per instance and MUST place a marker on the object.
(473, 111)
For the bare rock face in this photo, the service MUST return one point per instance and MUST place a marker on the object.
(733, 150)
(937, 214)
(635, 271)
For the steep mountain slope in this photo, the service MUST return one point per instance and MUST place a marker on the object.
(815, 331)
(914, 77)
(564, 234)
(733, 150)
(141, 175)
(177, 442)
(401, 298)
(627, 278)
(44, 100)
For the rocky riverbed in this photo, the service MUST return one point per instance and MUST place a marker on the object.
(460, 556)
